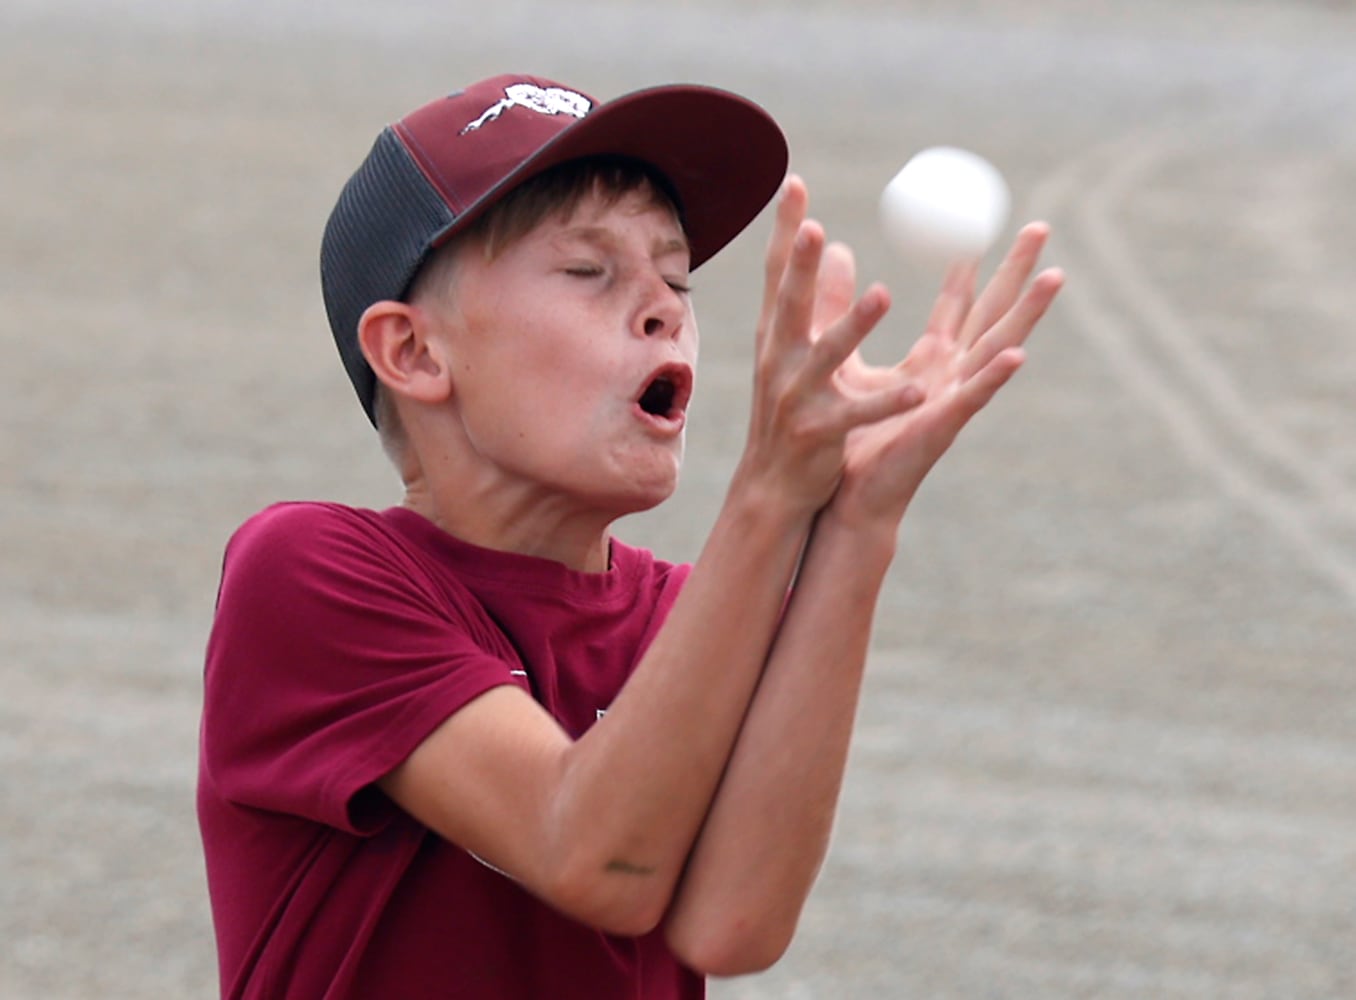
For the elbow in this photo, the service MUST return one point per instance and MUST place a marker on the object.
(738, 947)
(629, 919)
(624, 906)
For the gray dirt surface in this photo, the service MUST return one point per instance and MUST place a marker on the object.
(1108, 743)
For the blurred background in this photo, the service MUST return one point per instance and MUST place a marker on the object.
(1108, 744)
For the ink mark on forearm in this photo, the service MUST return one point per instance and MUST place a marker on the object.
(621, 867)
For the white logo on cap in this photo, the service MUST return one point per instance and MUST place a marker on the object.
(543, 100)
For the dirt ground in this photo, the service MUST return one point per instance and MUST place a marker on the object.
(1108, 745)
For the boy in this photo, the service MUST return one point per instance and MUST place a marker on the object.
(473, 745)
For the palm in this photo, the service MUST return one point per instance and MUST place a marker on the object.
(970, 348)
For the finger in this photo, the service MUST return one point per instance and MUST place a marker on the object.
(975, 393)
(1016, 326)
(791, 208)
(953, 301)
(837, 285)
(926, 352)
(873, 407)
(840, 339)
(1006, 284)
(795, 302)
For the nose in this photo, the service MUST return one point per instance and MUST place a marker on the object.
(663, 310)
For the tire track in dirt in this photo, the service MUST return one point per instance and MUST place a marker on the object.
(1153, 351)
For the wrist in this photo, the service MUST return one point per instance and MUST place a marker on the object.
(872, 538)
(770, 501)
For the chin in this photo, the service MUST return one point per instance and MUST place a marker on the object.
(638, 501)
(633, 483)
(640, 495)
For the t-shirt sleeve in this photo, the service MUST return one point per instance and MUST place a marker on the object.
(333, 654)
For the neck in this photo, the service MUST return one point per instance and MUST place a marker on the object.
(524, 521)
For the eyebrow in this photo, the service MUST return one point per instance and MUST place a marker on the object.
(602, 236)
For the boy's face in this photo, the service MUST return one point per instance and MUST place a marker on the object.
(574, 353)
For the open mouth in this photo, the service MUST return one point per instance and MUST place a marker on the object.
(667, 393)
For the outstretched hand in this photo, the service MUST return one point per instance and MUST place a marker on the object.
(970, 348)
(811, 390)
(832, 431)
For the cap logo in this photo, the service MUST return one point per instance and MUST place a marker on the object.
(543, 100)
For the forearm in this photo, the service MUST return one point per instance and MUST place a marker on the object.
(768, 828)
(634, 790)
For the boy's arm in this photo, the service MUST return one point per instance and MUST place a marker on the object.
(601, 827)
(768, 830)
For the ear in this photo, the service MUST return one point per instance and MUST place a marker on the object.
(396, 339)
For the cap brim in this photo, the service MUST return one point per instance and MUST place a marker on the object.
(724, 156)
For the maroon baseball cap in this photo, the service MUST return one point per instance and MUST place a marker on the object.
(442, 165)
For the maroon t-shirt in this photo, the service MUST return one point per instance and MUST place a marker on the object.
(342, 639)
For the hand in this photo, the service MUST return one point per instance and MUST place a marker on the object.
(805, 403)
(969, 350)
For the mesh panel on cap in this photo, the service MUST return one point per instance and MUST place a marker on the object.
(387, 217)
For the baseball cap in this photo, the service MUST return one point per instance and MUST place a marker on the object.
(433, 172)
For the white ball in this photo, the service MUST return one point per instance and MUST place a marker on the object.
(946, 205)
